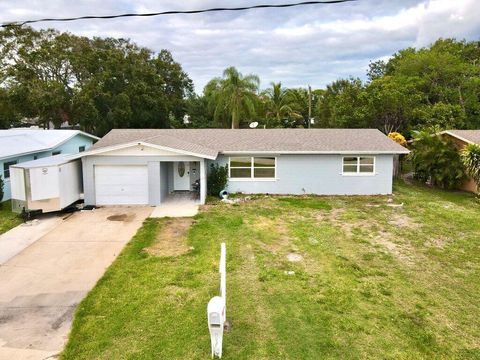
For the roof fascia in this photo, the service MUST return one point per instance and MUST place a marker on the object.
(316, 152)
(136, 143)
(457, 136)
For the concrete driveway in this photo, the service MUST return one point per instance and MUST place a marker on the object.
(41, 286)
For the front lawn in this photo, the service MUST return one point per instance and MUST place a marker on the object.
(374, 280)
(8, 219)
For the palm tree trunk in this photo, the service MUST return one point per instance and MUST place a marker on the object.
(235, 116)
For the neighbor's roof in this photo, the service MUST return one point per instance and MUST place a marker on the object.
(16, 142)
(469, 136)
(210, 142)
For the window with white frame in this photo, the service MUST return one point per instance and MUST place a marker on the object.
(359, 165)
(252, 167)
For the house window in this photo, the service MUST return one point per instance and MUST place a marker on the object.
(81, 148)
(358, 165)
(252, 167)
(6, 168)
(56, 153)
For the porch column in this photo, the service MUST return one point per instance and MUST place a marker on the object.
(203, 181)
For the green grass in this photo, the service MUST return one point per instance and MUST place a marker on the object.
(8, 219)
(376, 282)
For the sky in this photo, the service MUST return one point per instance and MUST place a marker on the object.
(311, 45)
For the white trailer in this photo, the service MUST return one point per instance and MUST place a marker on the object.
(47, 184)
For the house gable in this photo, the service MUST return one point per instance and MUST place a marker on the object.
(139, 150)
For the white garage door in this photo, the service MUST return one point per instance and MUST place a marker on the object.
(121, 185)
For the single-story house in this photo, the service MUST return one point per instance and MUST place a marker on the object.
(27, 144)
(461, 138)
(145, 166)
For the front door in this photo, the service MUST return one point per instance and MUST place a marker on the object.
(181, 175)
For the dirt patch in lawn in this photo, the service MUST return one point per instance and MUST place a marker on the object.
(281, 241)
(401, 252)
(334, 216)
(170, 240)
(403, 221)
(438, 242)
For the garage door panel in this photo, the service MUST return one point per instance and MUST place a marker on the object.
(121, 185)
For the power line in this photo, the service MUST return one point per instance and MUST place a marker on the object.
(243, 8)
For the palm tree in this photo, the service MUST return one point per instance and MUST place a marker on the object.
(234, 95)
(300, 103)
(279, 104)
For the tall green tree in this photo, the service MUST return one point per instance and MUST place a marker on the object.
(389, 102)
(342, 105)
(279, 105)
(300, 104)
(97, 84)
(447, 73)
(234, 95)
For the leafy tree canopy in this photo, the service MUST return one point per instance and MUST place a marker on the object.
(97, 84)
(102, 83)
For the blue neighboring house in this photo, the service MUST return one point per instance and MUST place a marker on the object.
(20, 145)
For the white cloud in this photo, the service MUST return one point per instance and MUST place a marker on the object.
(298, 46)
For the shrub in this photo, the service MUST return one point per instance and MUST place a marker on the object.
(471, 161)
(437, 160)
(217, 179)
(398, 138)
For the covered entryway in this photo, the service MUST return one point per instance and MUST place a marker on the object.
(121, 184)
(141, 174)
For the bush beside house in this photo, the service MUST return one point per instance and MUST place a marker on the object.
(217, 179)
(437, 161)
(471, 161)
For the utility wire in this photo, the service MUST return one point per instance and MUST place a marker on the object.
(243, 8)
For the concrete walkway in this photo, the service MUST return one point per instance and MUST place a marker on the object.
(41, 286)
(175, 209)
(178, 204)
(17, 239)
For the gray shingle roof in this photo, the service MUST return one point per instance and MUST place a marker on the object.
(209, 142)
(472, 136)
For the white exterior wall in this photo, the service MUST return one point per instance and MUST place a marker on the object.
(44, 183)
(17, 178)
(70, 183)
(317, 174)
